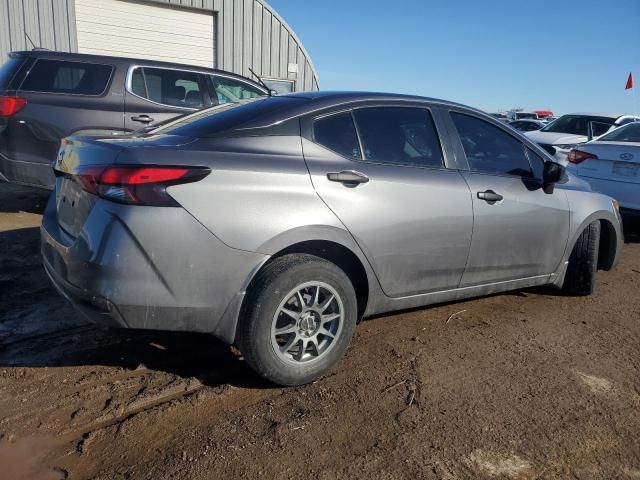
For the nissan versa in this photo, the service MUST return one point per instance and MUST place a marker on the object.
(278, 223)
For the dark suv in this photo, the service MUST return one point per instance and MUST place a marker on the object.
(46, 96)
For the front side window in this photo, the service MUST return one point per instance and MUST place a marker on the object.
(338, 133)
(537, 164)
(168, 87)
(489, 149)
(405, 136)
(78, 78)
(229, 90)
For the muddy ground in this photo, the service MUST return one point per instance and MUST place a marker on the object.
(527, 385)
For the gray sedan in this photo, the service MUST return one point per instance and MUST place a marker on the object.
(277, 224)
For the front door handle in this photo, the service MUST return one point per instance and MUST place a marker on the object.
(349, 177)
(490, 196)
(142, 119)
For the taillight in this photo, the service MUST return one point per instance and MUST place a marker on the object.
(11, 105)
(578, 156)
(138, 185)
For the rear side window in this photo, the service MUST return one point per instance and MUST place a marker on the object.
(489, 149)
(77, 78)
(229, 90)
(168, 87)
(338, 133)
(8, 70)
(405, 136)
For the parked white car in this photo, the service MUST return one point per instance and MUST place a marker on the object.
(611, 165)
(570, 131)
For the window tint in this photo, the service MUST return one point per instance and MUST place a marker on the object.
(168, 87)
(55, 76)
(537, 163)
(489, 149)
(8, 70)
(628, 133)
(399, 135)
(228, 90)
(337, 133)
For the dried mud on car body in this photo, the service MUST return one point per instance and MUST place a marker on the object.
(523, 385)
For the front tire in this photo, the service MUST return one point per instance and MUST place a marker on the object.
(300, 315)
(580, 278)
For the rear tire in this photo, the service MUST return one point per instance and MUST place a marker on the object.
(300, 314)
(580, 278)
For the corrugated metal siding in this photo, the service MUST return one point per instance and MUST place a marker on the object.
(250, 35)
(49, 23)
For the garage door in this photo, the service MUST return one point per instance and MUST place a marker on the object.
(126, 28)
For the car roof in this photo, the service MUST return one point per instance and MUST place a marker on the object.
(331, 98)
(51, 54)
(304, 103)
(612, 116)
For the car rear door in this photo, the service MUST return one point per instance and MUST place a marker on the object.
(388, 182)
(157, 94)
(519, 231)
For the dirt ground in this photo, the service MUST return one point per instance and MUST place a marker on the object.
(527, 385)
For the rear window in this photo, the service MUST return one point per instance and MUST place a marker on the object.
(77, 78)
(628, 133)
(8, 70)
(227, 117)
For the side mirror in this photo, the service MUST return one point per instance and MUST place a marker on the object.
(553, 172)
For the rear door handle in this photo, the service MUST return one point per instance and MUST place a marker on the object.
(142, 119)
(349, 177)
(490, 196)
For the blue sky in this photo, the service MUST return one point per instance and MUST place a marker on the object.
(565, 55)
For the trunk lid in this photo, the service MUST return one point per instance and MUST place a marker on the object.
(73, 202)
(616, 161)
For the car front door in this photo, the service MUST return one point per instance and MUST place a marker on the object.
(519, 231)
(389, 184)
(154, 95)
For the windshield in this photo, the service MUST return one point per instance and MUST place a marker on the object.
(628, 133)
(576, 124)
(226, 117)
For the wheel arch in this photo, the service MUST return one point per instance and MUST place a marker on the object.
(610, 238)
(333, 244)
(608, 250)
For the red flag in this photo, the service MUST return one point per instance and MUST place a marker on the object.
(630, 84)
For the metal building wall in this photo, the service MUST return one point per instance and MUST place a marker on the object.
(250, 35)
(49, 23)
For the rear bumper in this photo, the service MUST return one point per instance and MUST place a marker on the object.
(627, 193)
(27, 173)
(147, 268)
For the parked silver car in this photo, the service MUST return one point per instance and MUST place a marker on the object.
(611, 165)
(279, 223)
